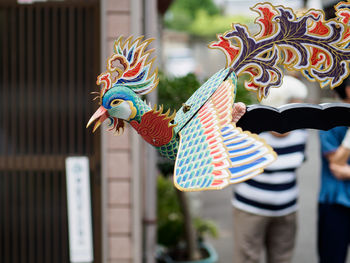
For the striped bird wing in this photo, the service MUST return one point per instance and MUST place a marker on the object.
(213, 152)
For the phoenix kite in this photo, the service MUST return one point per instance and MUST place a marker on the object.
(209, 150)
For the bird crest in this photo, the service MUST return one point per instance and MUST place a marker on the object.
(317, 48)
(130, 65)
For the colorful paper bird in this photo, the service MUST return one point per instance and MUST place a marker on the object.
(210, 151)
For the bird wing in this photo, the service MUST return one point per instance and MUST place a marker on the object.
(213, 152)
(199, 98)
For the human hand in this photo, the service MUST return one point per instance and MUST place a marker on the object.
(238, 111)
(340, 171)
(346, 141)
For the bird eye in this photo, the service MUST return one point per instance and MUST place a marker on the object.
(116, 102)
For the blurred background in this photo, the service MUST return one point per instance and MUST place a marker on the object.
(116, 202)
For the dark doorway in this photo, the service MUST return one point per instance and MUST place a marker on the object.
(49, 60)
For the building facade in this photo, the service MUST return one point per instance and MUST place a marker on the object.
(51, 53)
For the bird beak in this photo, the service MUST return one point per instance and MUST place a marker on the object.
(100, 115)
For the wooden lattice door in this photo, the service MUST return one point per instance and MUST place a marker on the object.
(49, 57)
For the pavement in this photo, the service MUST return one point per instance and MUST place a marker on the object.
(216, 205)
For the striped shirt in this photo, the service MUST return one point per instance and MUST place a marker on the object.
(274, 192)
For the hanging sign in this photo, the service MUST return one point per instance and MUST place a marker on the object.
(79, 209)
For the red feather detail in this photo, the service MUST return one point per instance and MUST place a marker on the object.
(345, 16)
(289, 55)
(134, 71)
(266, 20)
(218, 164)
(217, 112)
(319, 29)
(319, 56)
(209, 131)
(216, 182)
(223, 43)
(105, 79)
(155, 128)
(218, 156)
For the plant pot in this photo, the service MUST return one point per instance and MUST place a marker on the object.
(209, 251)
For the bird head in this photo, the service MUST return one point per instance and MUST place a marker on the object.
(128, 74)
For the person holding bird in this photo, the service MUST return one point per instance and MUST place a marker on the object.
(333, 238)
(265, 207)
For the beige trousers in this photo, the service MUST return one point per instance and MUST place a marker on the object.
(253, 233)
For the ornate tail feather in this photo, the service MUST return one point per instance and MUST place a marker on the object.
(309, 44)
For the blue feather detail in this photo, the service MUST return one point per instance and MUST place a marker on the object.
(204, 181)
(130, 55)
(243, 157)
(189, 167)
(241, 168)
(241, 149)
(181, 162)
(237, 143)
(178, 179)
(137, 79)
(225, 129)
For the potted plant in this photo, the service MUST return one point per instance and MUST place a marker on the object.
(173, 224)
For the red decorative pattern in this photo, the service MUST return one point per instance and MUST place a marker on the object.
(135, 70)
(217, 113)
(319, 57)
(226, 46)
(265, 20)
(319, 29)
(105, 80)
(344, 17)
(155, 128)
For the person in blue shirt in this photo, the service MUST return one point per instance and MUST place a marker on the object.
(334, 197)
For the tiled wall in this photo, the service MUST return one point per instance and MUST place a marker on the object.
(117, 152)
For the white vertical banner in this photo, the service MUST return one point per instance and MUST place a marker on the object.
(79, 209)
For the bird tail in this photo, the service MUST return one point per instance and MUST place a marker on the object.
(316, 47)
